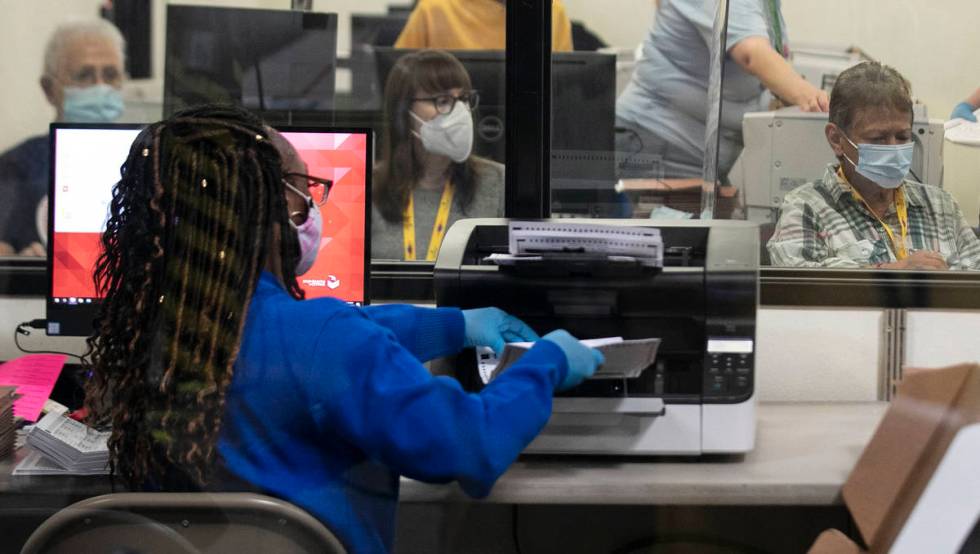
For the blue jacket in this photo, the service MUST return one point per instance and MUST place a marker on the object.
(329, 404)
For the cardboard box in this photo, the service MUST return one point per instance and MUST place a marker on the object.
(934, 418)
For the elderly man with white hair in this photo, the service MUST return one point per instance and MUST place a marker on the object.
(82, 78)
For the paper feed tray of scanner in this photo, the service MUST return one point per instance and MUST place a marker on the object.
(537, 240)
(625, 359)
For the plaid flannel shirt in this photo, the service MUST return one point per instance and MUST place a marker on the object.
(821, 224)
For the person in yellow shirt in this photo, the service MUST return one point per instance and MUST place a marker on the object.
(472, 25)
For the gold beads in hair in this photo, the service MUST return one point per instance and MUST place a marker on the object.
(204, 183)
(161, 298)
(259, 138)
(146, 152)
(221, 255)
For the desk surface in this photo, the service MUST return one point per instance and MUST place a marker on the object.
(804, 453)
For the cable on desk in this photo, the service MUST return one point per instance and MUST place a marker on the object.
(24, 329)
(625, 164)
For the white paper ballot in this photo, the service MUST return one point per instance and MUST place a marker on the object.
(961, 131)
(68, 444)
(625, 359)
(537, 238)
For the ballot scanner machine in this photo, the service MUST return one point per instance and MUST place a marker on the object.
(697, 397)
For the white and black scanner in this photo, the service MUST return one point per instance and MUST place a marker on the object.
(697, 397)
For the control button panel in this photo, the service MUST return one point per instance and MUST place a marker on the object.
(729, 366)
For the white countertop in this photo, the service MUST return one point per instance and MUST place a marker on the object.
(804, 453)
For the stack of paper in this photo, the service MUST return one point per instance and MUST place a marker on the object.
(69, 444)
(962, 131)
(625, 359)
(34, 376)
(7, 431)
(539, 239)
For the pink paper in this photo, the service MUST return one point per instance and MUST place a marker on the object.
(34, 376)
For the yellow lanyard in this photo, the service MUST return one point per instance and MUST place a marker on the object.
(438, 228)
(901, 209)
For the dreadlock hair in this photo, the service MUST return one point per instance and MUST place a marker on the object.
(190, 227)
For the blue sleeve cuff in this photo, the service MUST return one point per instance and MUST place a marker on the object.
(438, 332)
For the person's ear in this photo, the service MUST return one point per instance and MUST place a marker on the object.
(51, 91)
(835, 138)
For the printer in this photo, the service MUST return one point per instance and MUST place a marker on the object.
(698, 395)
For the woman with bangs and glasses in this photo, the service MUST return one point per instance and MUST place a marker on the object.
(427, 177)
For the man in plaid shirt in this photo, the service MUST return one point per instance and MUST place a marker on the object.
(864, 212)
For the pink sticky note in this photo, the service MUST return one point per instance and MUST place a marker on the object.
(34, 376)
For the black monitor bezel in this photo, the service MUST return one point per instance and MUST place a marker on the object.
(77, 313)
(89, 312)
(368, 186)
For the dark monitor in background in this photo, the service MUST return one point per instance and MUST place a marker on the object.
(85, 163)
(583, 108)
(366, 33)
(280, 64)
(401, 9)
(583, 119)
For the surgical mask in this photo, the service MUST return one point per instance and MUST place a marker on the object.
(450, 134)
(884, 164)
(94, 104)
(309, 234)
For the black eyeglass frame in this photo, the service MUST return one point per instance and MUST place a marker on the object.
(471, 97)
(311, 182)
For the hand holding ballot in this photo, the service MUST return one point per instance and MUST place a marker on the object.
(611, 357)
(582, 360)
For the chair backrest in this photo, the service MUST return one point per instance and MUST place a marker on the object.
(184, 523)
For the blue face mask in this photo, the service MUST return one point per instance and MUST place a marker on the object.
(884, 164)
(94, 104)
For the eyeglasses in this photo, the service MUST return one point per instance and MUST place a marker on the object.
(445, 103)
(89, 75)
(317, 187)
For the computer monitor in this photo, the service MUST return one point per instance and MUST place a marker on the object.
(368, 31)
(85, 162)
(401, 9)
(281, 64)
(375, 30)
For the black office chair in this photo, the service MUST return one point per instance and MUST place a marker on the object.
(182, 523)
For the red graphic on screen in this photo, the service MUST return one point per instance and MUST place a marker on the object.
(73, 264)
(339, 268)
(342, 158)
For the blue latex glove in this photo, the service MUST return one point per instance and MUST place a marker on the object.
(963, 110)
(494, 327)
(582, 360)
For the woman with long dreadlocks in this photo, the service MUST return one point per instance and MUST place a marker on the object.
(214, 375)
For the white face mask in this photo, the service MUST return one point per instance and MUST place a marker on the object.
(450, 134)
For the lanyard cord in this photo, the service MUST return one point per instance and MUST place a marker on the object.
(901, 209)
(777, 27)
(438, 227)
